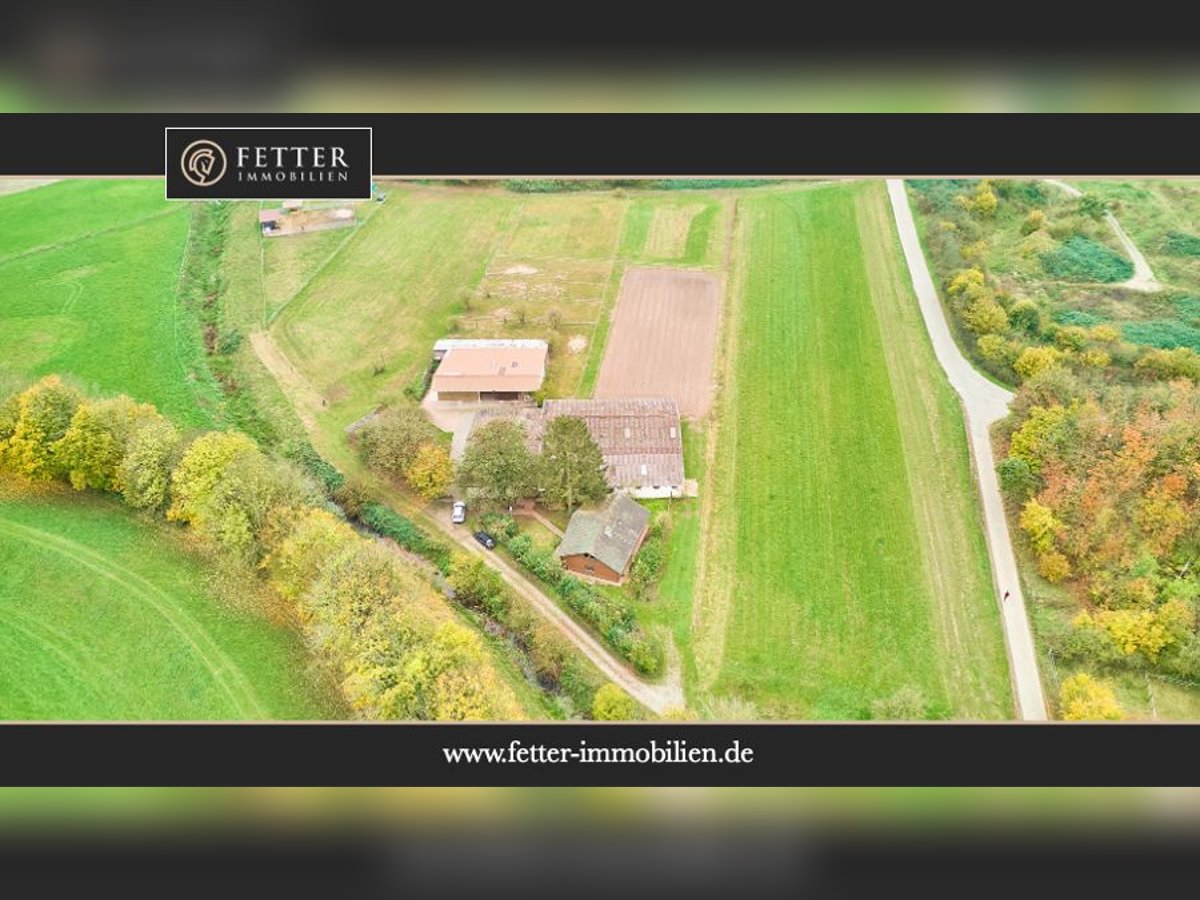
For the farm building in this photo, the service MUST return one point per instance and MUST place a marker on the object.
(640, 439)
(488, 370)
(602, 544)
(268, 220)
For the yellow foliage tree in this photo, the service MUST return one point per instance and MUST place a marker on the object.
(1035, 360)
(1083, 699)
(431, 472)
(201, 468)
(35, 420)
(1039, 523)
(1054, 567)
(93, 448)
(965, 280)
(985, 316)
(612, 704)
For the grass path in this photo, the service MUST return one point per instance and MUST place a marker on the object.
(108, 616)
(222, 669)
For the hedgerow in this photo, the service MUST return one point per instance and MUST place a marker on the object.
(360, 608)
(611, 616)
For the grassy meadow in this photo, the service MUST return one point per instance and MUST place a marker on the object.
(89, 272)
(107, 616)
(842, 557)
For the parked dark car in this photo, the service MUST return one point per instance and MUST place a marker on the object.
(486, 539)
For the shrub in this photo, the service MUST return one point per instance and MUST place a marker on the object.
(1054, 567)
(1166, 364)
(612, 704)
(1035, 360)
(1025, 316)
(1083, 698)
(1035, 221)
(1017, 479)
(1082, 259)
(1177, 243)
(305, 455)
(353, 494)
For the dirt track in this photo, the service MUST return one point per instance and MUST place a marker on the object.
(664, 334)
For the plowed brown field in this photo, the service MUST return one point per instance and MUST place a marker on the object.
(664, 334)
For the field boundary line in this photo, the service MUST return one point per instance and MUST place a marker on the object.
(704, 602)
(608, 300)
(183, 262)
(61, 245)
(350, 234)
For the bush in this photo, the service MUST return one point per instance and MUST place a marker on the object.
(1017, 479)
(1176, 243)
(1166, 364)
(1082, 259)
(612, 704)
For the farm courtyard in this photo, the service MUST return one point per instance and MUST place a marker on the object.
(832, 562)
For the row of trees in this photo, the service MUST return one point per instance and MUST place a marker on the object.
(497, 468)
(399, 651)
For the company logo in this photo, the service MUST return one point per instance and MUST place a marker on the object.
(203, 162)
(268, 163)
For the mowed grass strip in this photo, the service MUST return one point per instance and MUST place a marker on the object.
(103, 309)
(813, 539)
(106, 616)
(958, 575)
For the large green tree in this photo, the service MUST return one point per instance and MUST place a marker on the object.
(391, 443)
(497, 467)
(572, 466)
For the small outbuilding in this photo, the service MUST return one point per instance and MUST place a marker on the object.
(268, 220)
(602, 543)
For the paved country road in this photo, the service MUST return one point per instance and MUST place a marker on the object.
(984, 403)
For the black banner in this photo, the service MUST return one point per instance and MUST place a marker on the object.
(432, 145)
(268, 163)
(601, 754)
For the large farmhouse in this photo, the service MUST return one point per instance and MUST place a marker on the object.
(602, 544)
(640, 439)
(480, 370)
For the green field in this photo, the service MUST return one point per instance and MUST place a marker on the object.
(89, 272)
(843, 556)
(109, 617)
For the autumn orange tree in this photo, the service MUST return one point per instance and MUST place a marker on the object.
(1104, 480)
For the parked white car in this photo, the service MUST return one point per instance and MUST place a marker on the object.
(459, 514)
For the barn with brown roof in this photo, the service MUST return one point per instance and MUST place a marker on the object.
(602, 543)
(474, 371)
(641, 439)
